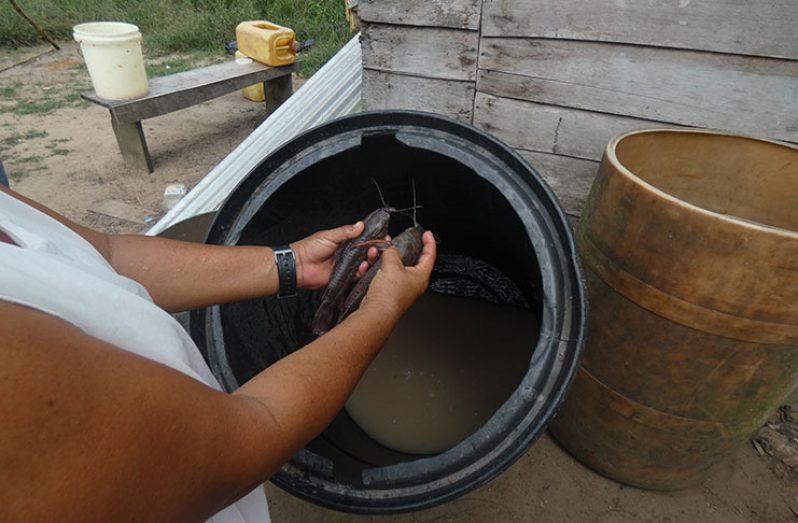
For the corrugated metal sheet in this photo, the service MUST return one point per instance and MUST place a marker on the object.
(332, 92)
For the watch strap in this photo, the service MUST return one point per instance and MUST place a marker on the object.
(286, 271)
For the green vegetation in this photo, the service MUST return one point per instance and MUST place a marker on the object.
(53, 145)
(32, 165)
(185, 25)
(17, 138)
(30, 135)
(181, 61)
(164, 69)
(25, 161)
(35, 107)
(55, 150)
(41, 101)
(30, 159)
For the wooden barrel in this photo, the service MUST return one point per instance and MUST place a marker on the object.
(690, 250)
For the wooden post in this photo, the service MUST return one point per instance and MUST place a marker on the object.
(132, 144)
(277, 91)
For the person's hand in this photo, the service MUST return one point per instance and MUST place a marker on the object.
(314, 255)
(396, 287)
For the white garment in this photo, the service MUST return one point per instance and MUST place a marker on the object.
(56, 271)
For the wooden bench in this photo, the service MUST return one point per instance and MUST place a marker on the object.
(181, 90)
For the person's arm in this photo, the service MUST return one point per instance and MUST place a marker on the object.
(107, 435)
(335, 362)
(183, 275)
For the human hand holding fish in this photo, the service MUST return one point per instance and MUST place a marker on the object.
(344, 292)
(314, 255)
(396, 286)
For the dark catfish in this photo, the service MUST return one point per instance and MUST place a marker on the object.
(348, 258)
(409, 245)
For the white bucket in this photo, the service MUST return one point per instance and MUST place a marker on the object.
(112, 51)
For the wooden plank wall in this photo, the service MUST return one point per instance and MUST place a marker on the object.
(420, 55)
(556, 79)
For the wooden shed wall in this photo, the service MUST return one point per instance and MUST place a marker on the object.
(421, 54)
(556, 79)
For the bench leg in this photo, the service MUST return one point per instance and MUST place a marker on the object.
(277, 91)
(132, 145)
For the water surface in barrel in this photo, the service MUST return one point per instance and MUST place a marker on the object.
(448, 366)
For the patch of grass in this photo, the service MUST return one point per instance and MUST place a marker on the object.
(60, 152)
(8, 92)
(186, 25)
(168, 67)
(54, 143)
(16, 176)
(17, 138)
(34, 134)
(24, 107)
(53, 146)
(30, 159)
(40, 99)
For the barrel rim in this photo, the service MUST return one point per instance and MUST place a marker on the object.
(611, 157)
(127, 32)
(569, 344)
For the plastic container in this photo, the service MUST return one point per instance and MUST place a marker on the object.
(266, 42)
(487, 206)
(689, 240)
(172, 195)
(112, 51)
(256, 92)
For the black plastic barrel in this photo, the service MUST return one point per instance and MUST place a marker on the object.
(502, 236)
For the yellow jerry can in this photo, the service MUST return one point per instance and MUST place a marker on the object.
(255, 92)
(266, 42)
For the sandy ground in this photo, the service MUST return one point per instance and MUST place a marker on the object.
(68, 159)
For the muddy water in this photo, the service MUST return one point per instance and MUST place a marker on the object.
(450, 363)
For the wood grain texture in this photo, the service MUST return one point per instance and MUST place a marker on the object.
(712, 298)
(181, 90)
(757, 96)
(396, 91)
(552, 129)
(457, 14)
(569, 178)
(449, 54)
(278, 90)
(751, 27)
(132, 144)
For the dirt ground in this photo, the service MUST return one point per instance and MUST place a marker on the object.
(66, 157)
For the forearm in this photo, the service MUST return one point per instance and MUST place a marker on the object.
(182, 275)
(303, 392)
